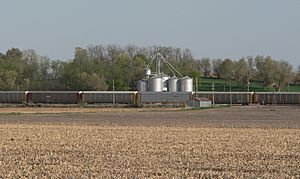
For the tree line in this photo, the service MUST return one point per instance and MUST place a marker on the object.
(97, 66)
(264, 70)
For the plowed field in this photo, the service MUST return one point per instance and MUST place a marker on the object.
(236, 142)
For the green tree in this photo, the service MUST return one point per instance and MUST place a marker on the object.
(121, 72)
(227, 70)
(71, 76)
(266, 70)
(14, 54)
(8, 79)
(14, 61)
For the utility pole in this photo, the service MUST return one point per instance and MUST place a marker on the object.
(248, 89)
(213, 90)
(196, 86)
(114, 97)
(274, 99)
(230, 95)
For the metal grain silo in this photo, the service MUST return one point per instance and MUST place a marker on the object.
(156, 84)
(165, 79)
(173, 84)
(141, 85)
(186, 84)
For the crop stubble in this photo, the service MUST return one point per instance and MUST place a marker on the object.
(152, 144)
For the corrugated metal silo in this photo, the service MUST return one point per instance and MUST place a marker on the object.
(165, 79)
(156, 84)
(141, 85)
(173, 84)
(186, 84)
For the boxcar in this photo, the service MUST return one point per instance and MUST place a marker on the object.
(277, 97)
(12, 97)
(227, 97)
(54, 97)
(109, 97)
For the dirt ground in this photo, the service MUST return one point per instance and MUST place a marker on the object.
(241, 141)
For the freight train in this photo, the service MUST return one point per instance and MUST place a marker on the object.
(68, 97)
(245, 98)
(135, 97)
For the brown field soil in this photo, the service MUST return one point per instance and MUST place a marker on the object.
(61, 110)
(235, 142)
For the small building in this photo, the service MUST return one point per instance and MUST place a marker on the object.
(200, 102)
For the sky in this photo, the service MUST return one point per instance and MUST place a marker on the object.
(209, 28)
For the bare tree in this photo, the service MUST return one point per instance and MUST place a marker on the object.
(205, 66)
(241, 74)
(283, 75)
(266, 69)
(297, 76)
(216, 64)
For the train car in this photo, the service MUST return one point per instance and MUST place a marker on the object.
(277, 98)
(109, 97)
(54, 97)
(12, 97)
(243, 98)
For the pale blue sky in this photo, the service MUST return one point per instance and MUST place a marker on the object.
(210, 28)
